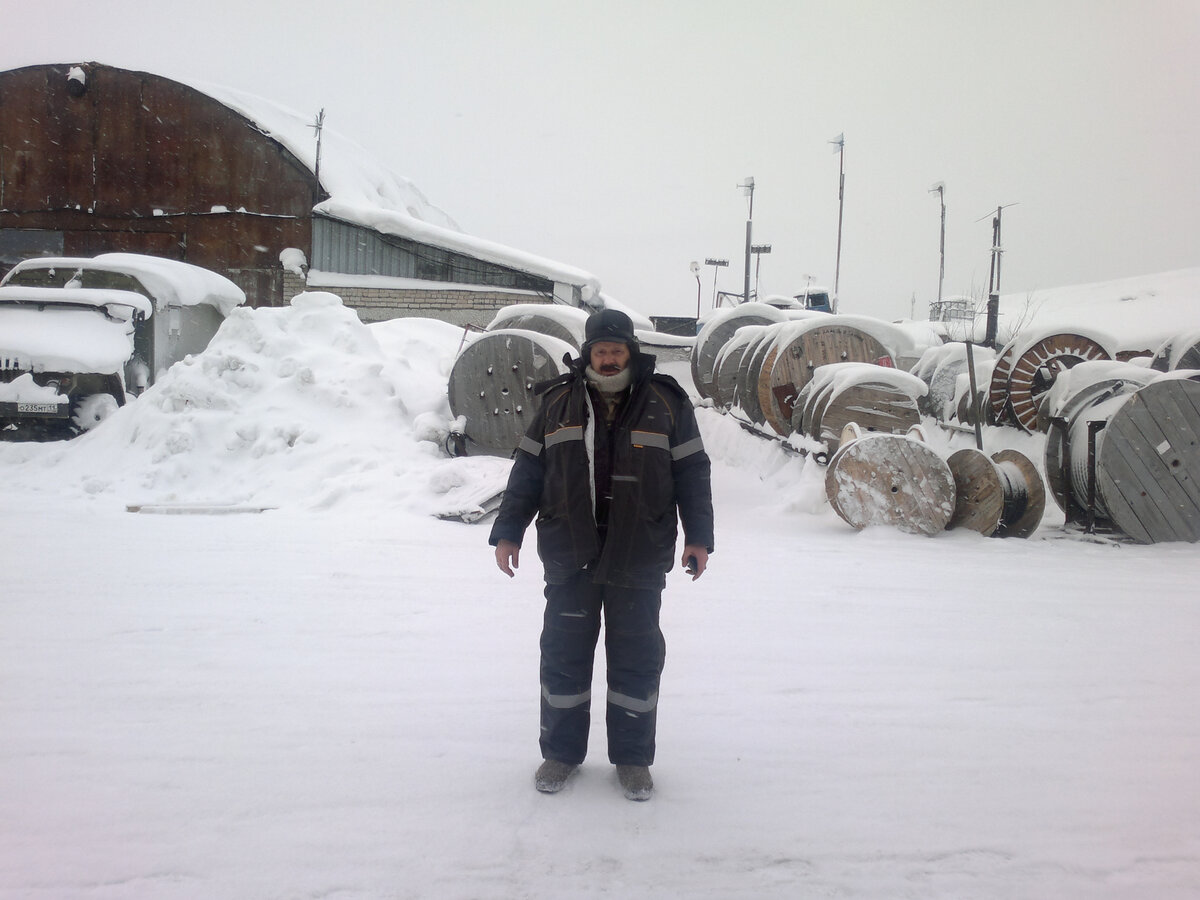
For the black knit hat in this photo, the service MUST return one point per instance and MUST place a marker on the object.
(608, 325)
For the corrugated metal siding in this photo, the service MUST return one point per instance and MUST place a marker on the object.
(350, 249)
(341, 247)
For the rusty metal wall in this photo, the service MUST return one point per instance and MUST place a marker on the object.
(136, 162)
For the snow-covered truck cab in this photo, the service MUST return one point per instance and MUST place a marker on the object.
(62, 355)
(79, 337)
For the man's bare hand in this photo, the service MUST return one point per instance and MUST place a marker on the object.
(508, 557)
(700, 554)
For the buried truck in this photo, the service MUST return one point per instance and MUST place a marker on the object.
(81, 337)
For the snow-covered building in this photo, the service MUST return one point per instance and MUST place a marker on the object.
(95, 158)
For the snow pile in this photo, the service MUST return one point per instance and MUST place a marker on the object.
(301, 406)
(1140, 313)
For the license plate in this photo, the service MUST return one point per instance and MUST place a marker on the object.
(39, 408)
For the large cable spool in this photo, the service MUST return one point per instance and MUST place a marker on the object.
(875, 399)
(1072, 401)
(1146, 461)
(1179, 352)
(491, 385)
(802, 347)
(719, 329)
(890, 479)
(749, 372)
(1026, 370)
(1001, 496)
(565, 323)
(724, 383)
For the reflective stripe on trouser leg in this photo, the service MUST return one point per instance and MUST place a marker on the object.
(570, 627)
(636, 651)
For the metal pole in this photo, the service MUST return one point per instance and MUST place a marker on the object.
(837, 269)
(942, 247)
(940, 190)
(746, 285)
(977, 413)
(993, 307)
(749, 188)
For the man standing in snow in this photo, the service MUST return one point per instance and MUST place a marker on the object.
(612, 461)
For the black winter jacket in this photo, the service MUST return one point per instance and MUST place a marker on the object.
(659, 472)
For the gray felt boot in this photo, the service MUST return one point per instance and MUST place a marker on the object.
(636, 781)
(552, 776)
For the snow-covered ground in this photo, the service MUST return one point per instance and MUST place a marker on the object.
(337, 697)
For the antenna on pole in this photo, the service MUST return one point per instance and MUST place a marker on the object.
(317, 126)
(839, 147)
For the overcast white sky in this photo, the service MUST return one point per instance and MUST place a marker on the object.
(612, 135)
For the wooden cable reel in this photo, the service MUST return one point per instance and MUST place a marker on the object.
(1002, 496)
(998, 408)
(1180, 352)
(890, 479)
(1056, 460)
(1147, 460)
(717, 332)
(856, 393)
(792, 367)
(749, 372)
(530, 317)
(724, 382)
(492, 383)
(1018, 387)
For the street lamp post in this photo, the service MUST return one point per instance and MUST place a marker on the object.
(940, 190)
(716, 264)
(758, 250)
(839, 147)
(748, 189)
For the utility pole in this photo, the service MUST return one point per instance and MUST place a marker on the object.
(839, 147)
(317, 126)
(940, 190)
(748, 190)
(993, 306)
